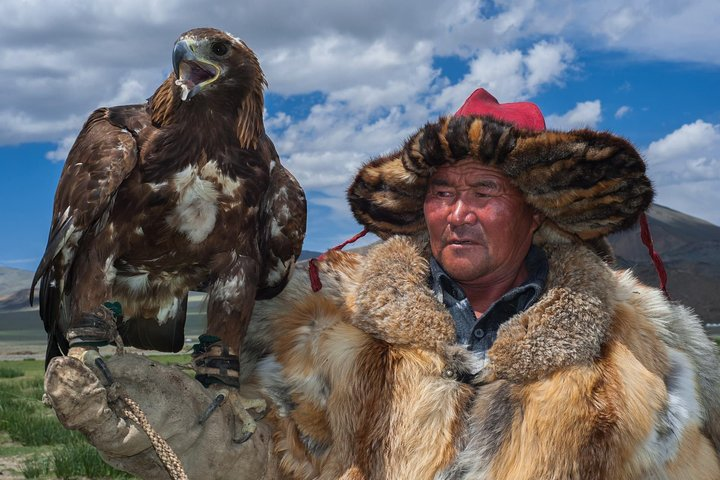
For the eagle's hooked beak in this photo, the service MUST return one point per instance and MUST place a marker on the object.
(192, 71)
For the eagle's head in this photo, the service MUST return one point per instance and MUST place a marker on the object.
(205, 59)
(224, 77)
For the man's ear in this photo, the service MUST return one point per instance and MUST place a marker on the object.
(590, 184)
(538, 219)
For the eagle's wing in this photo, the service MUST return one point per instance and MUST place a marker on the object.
(103, 155)
(283, 222)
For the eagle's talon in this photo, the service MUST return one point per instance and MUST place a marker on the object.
(91, 358)
(102, 366)
(244, 423)
(244, 438)
(214, 405)
(257, 404)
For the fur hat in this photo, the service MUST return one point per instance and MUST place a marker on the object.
(588, 184)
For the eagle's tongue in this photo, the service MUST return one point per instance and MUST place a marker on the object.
(191, 75)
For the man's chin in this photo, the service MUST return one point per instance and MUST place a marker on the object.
(463, 252)
(461, 264)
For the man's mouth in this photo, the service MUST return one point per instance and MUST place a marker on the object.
(460, 242)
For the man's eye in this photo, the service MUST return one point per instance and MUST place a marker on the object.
(485, 192)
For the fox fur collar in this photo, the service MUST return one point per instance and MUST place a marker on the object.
(367, 382)
(567, 326)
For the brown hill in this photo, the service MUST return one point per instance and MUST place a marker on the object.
(15, 285)
(12, 280)
(690, 250)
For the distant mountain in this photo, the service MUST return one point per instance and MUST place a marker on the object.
(690, 250)
(689, 247)
(676, 236)
(13, 279)
(308, 254)
(15, 285)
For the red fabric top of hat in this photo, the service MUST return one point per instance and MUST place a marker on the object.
(525, 115)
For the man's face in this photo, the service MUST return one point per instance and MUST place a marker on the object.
(479, 224)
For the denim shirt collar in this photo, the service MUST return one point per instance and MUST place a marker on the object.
(479, 334)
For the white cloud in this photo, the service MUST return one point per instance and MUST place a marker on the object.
(672, 30)
(546, 64)
(699, 199)
(685, 168)
(618, 23)
(510, 74)
(360, 121)
(135, 87)
(690, 153)
(18, 126)
(622, 111)
(584, 115)
(60, 60)
(62, 150)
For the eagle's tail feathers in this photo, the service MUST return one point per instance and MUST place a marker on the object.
(57, 346)
(51, 312)
(55, 243)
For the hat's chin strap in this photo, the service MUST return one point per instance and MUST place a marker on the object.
(315, 282)
(657, 261)
(316, 285)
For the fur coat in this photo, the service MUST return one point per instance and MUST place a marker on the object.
(602, 378)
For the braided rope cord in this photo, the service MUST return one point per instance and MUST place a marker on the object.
(109, 312)
(167, 456)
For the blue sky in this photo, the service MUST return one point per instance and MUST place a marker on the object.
(350, 81)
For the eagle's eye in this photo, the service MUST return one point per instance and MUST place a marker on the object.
(219, 48)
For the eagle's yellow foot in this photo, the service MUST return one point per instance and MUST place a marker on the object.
(85, 353)
(244, 422)
(216, 366)
(92, 359)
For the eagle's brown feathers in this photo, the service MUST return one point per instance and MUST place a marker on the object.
(184, 191)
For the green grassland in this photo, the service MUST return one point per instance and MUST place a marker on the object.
(33, 438)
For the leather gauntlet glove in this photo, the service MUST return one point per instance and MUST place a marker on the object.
(173, 403)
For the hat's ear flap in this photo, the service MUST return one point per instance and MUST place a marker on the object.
(589, 183)
(387, 198)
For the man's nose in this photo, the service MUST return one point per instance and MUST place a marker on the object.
(461, 213)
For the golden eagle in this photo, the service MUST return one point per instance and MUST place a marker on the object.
(183, 192)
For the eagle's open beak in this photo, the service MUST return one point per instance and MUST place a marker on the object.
(193, 72)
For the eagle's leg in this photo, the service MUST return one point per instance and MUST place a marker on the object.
(92, 322)
(230, 303)
(93, 329)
